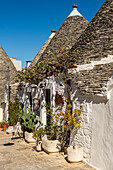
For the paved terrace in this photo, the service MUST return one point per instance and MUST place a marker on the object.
(16, 154)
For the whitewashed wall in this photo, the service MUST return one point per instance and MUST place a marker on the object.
(96, 132)
(83, 137)
(39, 92)
(102, 134)
(1, 114)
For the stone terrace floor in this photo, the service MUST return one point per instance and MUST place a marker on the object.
(16, 154)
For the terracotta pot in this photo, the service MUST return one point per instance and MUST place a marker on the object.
(0, 126)
(4, 128)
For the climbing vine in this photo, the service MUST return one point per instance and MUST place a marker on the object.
(56, 66)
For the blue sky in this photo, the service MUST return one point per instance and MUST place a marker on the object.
(26, 24)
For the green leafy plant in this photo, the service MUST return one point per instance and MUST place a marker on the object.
(13, 111)
(28, 120)
(3, 123)
(39, 133)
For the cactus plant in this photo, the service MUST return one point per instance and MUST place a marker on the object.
(28, 120)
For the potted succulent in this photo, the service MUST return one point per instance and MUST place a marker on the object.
(28, 121)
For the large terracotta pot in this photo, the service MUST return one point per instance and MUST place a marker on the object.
(74, 155)
(50, 146)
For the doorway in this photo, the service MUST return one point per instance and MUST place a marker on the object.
(48, 117)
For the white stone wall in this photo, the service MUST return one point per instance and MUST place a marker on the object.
(40, 93)
(102, 134)
(1, 114)
(96, 132)
(83, 137)
(17, 63)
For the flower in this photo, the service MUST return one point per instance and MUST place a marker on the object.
(75, 64)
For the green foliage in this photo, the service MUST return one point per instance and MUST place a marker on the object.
(60, 124)
(14, 111)
(39, 133)
(28, 119)
(3, 123)
(60, 64)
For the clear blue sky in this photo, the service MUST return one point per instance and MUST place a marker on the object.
(26, 24)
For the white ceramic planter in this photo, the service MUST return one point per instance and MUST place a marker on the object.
(29, 137)
(10, 130)
(50, 146)
(74, 155)
(38, 146)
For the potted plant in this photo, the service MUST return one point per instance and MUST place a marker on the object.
(38, 135)
(3, 125)
(28, 121)
(13, 110)
(50, 142)
(0, 125)
(72, 122)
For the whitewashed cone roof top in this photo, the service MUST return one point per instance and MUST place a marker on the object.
(75, 11)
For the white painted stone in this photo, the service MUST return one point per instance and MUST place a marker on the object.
(52, 35)
(75, 13)
(90, 66)
(102, 134)
(17, 64)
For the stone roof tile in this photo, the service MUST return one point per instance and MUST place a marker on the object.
(95, 43)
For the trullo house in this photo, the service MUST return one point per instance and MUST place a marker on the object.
(8, 87)
(92, 83)
(45, 91)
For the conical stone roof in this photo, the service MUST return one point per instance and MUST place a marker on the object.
(95, 47)
(67, 35)
(97, 40)
(5, 62)
(37, 57)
